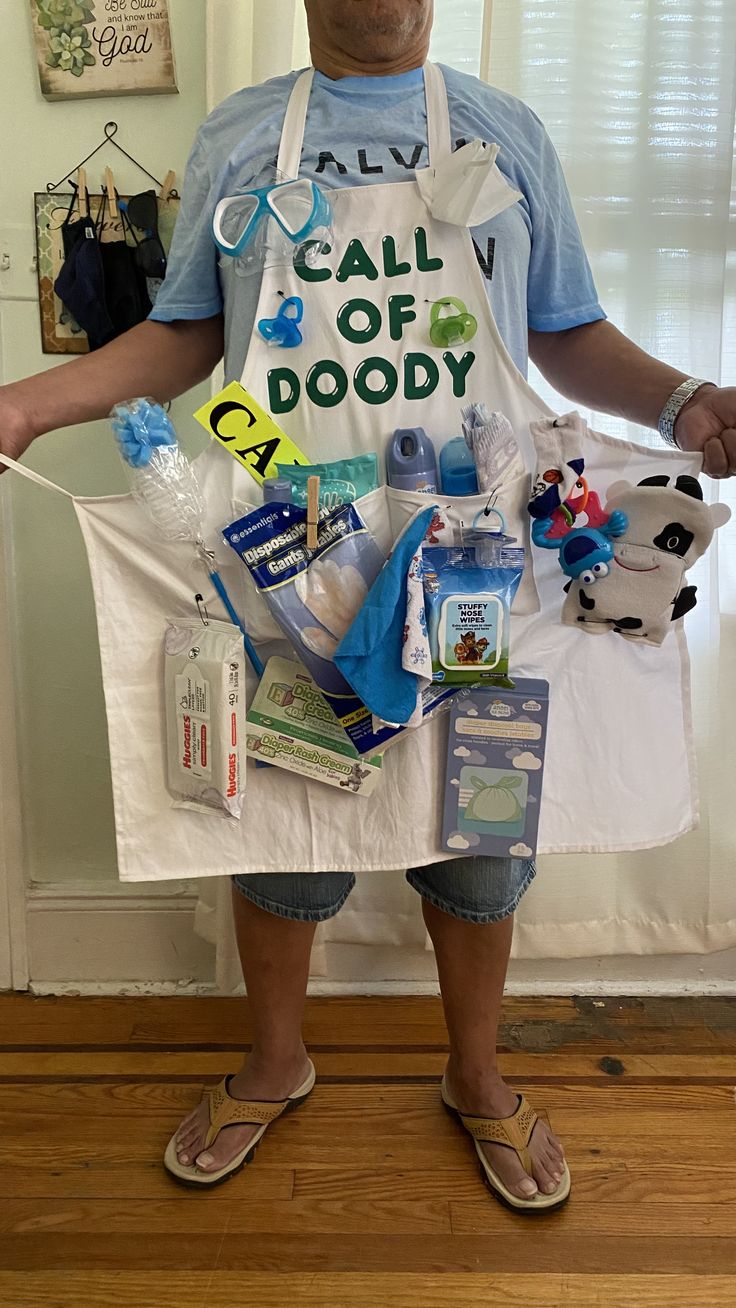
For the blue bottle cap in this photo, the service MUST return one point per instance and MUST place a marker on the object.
(459, 481)
(457, 468)
(277, 490)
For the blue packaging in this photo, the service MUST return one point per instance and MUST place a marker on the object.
(468, 592)
(314, 595)
(495, 768)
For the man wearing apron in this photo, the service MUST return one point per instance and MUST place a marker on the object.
(371, 116)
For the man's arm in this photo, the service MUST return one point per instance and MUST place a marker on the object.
(158, 359)
(596, 365)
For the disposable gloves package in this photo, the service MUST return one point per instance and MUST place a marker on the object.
(314, 595)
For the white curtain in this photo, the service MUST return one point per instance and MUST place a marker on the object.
(249, 41)
(639, 98)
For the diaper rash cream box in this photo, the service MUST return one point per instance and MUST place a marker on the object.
(290, 725)
(495, 766)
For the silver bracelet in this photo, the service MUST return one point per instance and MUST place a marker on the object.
(677, 400)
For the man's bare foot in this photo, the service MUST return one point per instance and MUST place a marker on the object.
(254, 1081)
(489, 1096)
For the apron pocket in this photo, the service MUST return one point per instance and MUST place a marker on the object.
(248, 601)
(511, 501)
(374, 510)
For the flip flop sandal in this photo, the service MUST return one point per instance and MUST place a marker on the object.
(513, 1132)
(226, 1111)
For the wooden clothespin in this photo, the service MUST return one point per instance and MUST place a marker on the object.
(312, 512)
(168, 185)
(82, 204)
(111, 196)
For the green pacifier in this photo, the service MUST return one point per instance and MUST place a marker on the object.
(454, 328)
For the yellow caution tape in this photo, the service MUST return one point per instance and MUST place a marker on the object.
(250, 434)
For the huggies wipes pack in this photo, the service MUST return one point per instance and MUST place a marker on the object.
(204, 684)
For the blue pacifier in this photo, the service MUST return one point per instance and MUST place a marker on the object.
(284, 330)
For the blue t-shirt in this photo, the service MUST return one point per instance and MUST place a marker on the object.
(362, 130)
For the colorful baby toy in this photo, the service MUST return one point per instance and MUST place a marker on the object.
(668, 528)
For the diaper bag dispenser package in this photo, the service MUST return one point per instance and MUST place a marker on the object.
(495, 768)
(204, 681)
(469, 590)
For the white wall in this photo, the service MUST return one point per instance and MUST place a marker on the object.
(67, 806)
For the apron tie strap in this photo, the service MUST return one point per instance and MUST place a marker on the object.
(34, 476)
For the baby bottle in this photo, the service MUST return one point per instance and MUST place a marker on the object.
(457, 468)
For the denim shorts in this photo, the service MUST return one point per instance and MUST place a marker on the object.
(478, 889)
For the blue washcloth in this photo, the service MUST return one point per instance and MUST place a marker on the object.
(369, 654)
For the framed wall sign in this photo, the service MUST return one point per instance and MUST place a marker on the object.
(103, 47)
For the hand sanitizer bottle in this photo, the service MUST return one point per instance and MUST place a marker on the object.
(411, 463)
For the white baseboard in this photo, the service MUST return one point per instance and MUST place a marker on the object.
(110, 942)
(121, 941)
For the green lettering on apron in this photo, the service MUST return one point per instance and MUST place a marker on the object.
(416, 390)
(424, 262)
(390, 379)
(356, 262)
(326, 368)
(359, 335)
(459, 369)
(400, 312)
(391, 265)
(277, 401)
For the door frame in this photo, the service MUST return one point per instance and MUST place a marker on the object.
(13, 942)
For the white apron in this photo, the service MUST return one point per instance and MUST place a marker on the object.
(620, 761)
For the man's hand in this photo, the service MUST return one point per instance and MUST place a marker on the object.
(707, 426)
(16, 429)
(597, 365)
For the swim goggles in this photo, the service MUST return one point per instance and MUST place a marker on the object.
(298, 207)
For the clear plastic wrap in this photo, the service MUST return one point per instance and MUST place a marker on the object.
(160, 475)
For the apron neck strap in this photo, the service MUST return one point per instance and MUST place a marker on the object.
(439, 136)
(34, 476)
(292, 135)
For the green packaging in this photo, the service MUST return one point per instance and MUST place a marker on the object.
(341, 482)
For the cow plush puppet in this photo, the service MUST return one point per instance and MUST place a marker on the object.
(644, 591)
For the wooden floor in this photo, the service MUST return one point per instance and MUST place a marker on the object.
(369, 1195)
